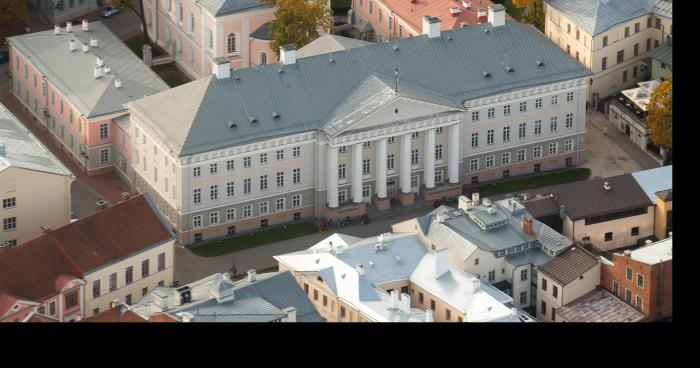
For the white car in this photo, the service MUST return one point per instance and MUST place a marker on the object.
(109, 11)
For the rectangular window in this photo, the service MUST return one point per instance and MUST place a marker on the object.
(628, 296)
(197, 221)
(214, 192)
(279, 204)
(96, 289)
(615, 287)
(52, 309)
(640, 303)
(366, 167)
(432, 304)
(553, 148)
(475, 140)
(538, 127)
(492, 275)
(635, 71)
(489, 136)
(104, 156)
(280, 155)
(197, 196)
(129, 275)
(246, 185)
(555, 100)
(521, 130)
(555, 291)
(296, 177)
(523, 275)
(491, 112)
(569, 120)
(506, 134)
(476, 261)
(620, 56)
(296, 200)
(523, 297)
(230, 214)
(9, 203)
(71, 299)
(112, 282)
(144, 268)
(414, 157)
(415, 135)
(104, 132)
(490, 161)
(213, 169)
(624, 76)
(553, 124)
(264, 206)
(505, 158)
(390, 162)
(544, 284)
(247, 211)
(230, 189)
(640, 280)
(342, 196)
(605, 41)
(246, 162)
(161, 262)
(609, 237)
(569, 96)
(648, 44)
(506, 110)
(521, 155)
(420, 298)
(144, 291)
(280, 179)
(523, 106)
(439, 130)
(263, 182)
(213, 218)
(263, 158)
(10, 224)
(341, 172)
(538, 103)
(569, 145)
(438, 152)
(475, 116)
(474, 164)
(127, 300)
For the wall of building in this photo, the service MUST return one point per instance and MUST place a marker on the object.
(621, 229)
(66, 9)
(41, 199)
(661, 211)
(582, 285)
(135, 289)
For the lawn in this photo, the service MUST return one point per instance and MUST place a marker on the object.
(254, 239)
(514, 12)
(171, 74)
(532, 182)
(136, 44)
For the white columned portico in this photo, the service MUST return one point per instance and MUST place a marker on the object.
(429, 162)
(453, 155)
(332, 172)
(357, 173)
(406, 163)
(381, 168)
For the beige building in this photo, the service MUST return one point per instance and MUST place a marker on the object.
(34, 185)
(612, 38)
(564, 279)
(392, 278)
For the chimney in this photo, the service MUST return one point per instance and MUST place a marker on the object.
(429, 315)
(288, 54)
(527, 226)
(56, 29)
(99, 61)
(86, 48)
(497, 15)
(85, 25)
(360, 269)
(251, 275)
(291, 314)
(465, 204)
(405, 303)
(222, 68)
(125, 195)
(98, 72)
(467, 4)
(442, 263)
(648, 241)
(115, 303)
(93, 42)
(71, 45)
(160, 300)
(670, 234)
(69, 27)
(117, 83)
(475, 198)
(431, 26)
(481, 16)
(455, 11)
(394, 299)
(101, 204)
(107, 69)
(627, 253)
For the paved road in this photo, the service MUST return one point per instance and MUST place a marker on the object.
(604, 156)
(125, 24)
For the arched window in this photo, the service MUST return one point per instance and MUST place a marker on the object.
(263, 58)
(231, 43)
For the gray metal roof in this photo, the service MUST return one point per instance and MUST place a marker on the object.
(241, 307)
(223, 7)
(654, 180)
(597, 16)
(124, 122)
(72, 73)
(535, 256)
(664, 53)
(263, 32)
(328, 277)
(329, 43)
(22, 149)
(569, 265)
(599, 306)
(193, 118)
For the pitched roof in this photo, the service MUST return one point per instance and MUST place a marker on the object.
(545, 206)
(597, 16)
(567, 266)
(109, 235)
(263, 32)
(664, 53)
(414, 13)
(224, 7)
(36, 317)
(329, 43)
(22, 149)
(193, 118)
(599, 306)
(654, 180)
(115, 315)
(72, 73)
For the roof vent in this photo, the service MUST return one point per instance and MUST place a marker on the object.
(253, 120)
(487, 30)
(93, 42)
(98, 71)
(86, 47)
(463, 25)
(509, 69)
(288, 54)
(275, 115)
(607, 186)
(360, 269)
(237, 78)
(396, 48)
(56, 29)
(627, 253)
(99, 61)
(486, 74)
(491, 211)
(280, 70)
(331, 60)
(85, 25)
(466, 4)
(370, 263)
(232, 125)
(117, 83)
(486, 202)
(449, 38)
(69, 27)
(107, 69)
(540, 63)
(398, 259)
(455, 11)
(71, 45)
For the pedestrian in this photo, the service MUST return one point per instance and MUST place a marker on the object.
(605, 129)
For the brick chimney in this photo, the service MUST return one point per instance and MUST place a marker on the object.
(482, 16)
(527, 226)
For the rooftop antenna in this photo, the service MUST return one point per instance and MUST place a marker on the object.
(396, 73)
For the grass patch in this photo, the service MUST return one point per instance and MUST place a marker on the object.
(254, 239)
(136, 45)
(532, 182)
(516, 13)
(340, 7)
(171, 74)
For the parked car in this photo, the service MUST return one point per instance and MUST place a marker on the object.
(4, 57)
(109, 11)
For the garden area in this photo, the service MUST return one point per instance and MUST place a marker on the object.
(253, 239)
(532, 182)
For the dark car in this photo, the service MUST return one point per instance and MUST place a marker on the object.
(4, 57)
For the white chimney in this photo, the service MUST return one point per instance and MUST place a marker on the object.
(99, 61)
(481, 14)
(465, 203)
(467, 4)
(71, 45)
(291, 314)
(187, 316)
(442, 263)
(117, 83)
(107, 69)
(221, 68)
(56, 29)
(431, 26)
(98, 71)
(394, 299)
(69, 27)
(85, 25)
(497, 15)
(405, 303)
(429, 315)
(160, 300)
(114, 303)
(86, 48)
(360, 269)
(607, 186)
(93, 42)
(251, 275)
(475, 199)
(288, 54)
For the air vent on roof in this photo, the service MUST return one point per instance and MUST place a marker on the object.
(237, 78)
(93, 42)
(540, 63)
(253, 120)
(509, 69)
(331, 60)
(117, 83)
(280, 70)
(466, 4)
(396, 48)
(455, 11)
(487, 30)
(463, 24)
(232, 125)
(449, 38)
(607, 186)
(107, 69)
(71, 45)
(86, 47)
(275, 115)
(57, 29)
(486, 74)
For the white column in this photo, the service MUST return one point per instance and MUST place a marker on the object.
(381, 168)
(406, 163)
(357, 173)
(332, 172)
(453, 155)
(429, 162)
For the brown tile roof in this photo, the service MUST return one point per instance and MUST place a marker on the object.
(665, 195)
(162, 318)
(599, 306)
(414, 13)
(567, 266)
(542, 206)
(113, 315)
(41, 318)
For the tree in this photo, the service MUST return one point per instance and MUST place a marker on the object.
(297, 22)
(133, 4)
(660, 115)
(534, 14)
(13, 15)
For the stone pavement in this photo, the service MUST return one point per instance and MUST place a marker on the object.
(604, 157)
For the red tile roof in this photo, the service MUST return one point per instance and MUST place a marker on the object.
(162, 318)
(113, 315)
(414, 13)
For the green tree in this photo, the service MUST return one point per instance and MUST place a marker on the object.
(297, 22)
(660, 115)
(137, 7)
(534, 14)
(13, 15)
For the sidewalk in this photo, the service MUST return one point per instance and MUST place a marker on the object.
(598, 121)
(105, 186)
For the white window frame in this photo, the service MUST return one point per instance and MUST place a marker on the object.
(230, 214)
(296, 201)
(197, 222)
(264, 208)
(213, 218)
(281, 207)
(490, 161)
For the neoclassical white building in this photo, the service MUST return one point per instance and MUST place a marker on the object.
(327, 136)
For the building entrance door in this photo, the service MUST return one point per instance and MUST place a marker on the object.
(627, 129)
(391, 189)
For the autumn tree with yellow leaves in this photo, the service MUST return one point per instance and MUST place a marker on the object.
(534, 14)
(297, 22)
(13, 15)
(660, 115)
